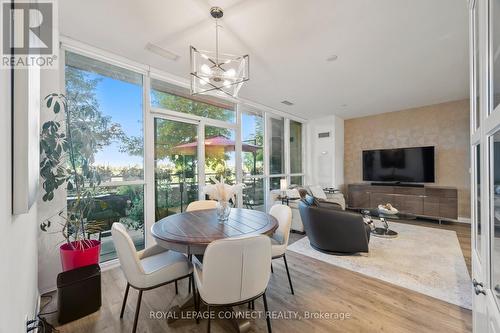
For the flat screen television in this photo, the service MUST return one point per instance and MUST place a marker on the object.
(406, 165)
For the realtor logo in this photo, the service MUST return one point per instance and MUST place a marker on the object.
(28, 34)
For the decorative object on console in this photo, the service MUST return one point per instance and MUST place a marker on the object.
(388, 209)
(217, 72)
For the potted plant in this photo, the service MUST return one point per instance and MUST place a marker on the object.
(62, 162)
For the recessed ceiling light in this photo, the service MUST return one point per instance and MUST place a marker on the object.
(344, 105)
(287, 103)
(333, 57)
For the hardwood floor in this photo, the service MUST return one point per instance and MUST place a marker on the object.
(371, 305)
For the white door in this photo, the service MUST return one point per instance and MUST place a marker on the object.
(485, 163)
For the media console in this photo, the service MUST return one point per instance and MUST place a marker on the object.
(436, 202)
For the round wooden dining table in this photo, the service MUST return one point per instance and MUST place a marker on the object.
(191, 232)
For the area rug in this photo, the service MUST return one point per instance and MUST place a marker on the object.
(426, 260)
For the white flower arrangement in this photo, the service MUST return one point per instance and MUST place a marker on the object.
(221, 191)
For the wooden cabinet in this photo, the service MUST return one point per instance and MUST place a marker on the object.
(378, 198)
(359, 197)
(433, 201)
(431, 206)
(412, 204)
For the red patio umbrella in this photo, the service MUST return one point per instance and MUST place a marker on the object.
(216, 144)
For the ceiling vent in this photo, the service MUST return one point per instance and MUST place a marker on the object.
(162, 52)
(288, 103)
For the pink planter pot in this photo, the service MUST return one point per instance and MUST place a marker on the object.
(79, 254)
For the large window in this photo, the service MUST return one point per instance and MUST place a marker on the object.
(276, 146)
(252, 151)
(494, 82)
(252, 137)
(253, 194)
(297, 180)
(168, 96)
(295, 147)
(220, 154)
(105, 104)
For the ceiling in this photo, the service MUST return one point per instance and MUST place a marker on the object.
(392, 54)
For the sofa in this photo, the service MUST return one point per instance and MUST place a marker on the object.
(332, 198)
(293, 203)
(327, 200)
(334, 230)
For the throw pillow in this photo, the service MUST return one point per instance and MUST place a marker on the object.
(308, 200)
(293, 193)
(317, 192)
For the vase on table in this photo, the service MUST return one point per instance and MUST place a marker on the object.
(223, 192)
(223, 209)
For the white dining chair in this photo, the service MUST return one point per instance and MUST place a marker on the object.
(194, 206)
(235, 271)
(200, 205)
(279, 240)
(147, 269)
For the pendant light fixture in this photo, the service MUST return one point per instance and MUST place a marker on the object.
(216, 72)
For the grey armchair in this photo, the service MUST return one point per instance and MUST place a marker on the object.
(333, 230)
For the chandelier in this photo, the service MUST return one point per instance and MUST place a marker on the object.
(221, 73)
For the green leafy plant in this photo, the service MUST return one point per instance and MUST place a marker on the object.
(66, 158)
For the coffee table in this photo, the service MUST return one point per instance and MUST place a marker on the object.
(385, 231)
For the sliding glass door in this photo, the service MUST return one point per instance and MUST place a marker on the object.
(176, 166)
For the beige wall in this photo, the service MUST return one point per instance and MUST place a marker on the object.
(445, 126)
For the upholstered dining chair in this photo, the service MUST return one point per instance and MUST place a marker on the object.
(147, 269)
(235, 271)
(200, 205)
(193, 206)
(280, 237)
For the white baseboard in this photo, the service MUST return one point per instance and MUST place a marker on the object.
(106, 266)
(464, 220)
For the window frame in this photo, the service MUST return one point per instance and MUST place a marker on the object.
(150, 112)
(108, 264)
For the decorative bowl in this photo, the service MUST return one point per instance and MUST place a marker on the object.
(384, 210)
